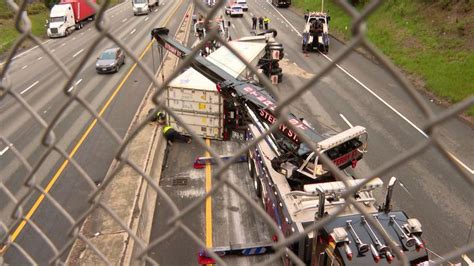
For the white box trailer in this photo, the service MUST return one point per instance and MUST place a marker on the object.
(230, 63)
(195, 98)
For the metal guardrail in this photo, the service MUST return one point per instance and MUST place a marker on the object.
(19, 218)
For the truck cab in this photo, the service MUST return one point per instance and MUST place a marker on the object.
(141, 7)
(61, 21)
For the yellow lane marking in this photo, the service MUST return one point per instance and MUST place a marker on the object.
(208, 201)
(73, 152)
(63, 166)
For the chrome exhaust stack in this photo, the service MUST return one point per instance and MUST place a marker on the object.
(382, 249)
(410, 241)
(361, 247)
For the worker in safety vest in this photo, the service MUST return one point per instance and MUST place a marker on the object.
(266, 20)
(172, 135)
(169, 132)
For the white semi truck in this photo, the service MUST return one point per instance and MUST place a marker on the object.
(141, 7)
(67, 16)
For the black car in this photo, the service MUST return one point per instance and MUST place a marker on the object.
(110, 60)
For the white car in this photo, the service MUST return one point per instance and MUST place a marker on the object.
(242, 4)
(234, 10)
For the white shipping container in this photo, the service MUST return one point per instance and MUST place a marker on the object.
(195, 99)
(231, 64)
(205, 125)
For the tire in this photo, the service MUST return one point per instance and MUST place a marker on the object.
(117, 69)
(280, 77)
(276, 71)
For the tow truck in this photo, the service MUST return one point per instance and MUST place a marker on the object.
(316, 32)
(297, 189)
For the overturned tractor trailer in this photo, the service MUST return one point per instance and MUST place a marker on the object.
(296, 188)
(196, 100)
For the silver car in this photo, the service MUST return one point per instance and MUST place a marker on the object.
(110, 60)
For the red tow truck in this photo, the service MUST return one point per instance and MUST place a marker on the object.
(297, 189)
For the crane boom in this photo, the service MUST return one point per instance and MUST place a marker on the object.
(259, 101)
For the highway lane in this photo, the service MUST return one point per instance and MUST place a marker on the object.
(233, 221)
(96, 153)
(443, 207)
(47, 97)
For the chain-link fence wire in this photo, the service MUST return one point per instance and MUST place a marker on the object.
(20, 218)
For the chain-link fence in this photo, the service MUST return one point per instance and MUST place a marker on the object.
(17, 207)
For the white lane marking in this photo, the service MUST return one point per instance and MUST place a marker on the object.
(125, 19)
(133, 31)
(39, 58)
(89, 29)
(146, 18)
(73, 38)
(75, 84)
(112, 16)
(376, 96)
(156, 10)
(283, 17)
(31, 86)
(63, 44)
(54, 50)
(25, 66)
(346, 120)
(467, 259)
(47, 109)
(404, 188)
(82, 33)
(461, 163)
(233, 26)
(395, 111)
(2, 152)
(76, 54)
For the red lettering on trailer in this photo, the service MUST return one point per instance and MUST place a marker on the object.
(173, 50)
(346, 157)
(261, 98)
(284, 129)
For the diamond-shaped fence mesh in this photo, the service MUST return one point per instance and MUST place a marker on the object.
(30, 185)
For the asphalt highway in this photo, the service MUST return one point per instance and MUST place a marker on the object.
(36, 78)
(360, 91)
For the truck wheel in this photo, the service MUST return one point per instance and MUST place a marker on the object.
(276, 71)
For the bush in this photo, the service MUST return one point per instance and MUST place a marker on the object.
(35, 8)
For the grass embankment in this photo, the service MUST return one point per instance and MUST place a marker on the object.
(37, 13)
(431, 40)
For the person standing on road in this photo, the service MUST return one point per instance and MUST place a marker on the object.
(254, 22)
(194, 19)
(266, 20)
(260, 22)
